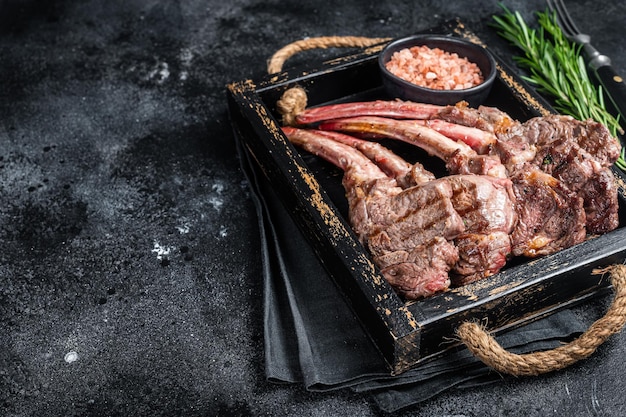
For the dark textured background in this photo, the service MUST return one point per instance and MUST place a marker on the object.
(127, 228)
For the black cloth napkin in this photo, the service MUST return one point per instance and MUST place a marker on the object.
(314, 338)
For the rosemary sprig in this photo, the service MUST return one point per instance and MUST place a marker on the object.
(556, 68)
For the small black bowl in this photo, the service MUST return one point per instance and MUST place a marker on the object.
(400, 88)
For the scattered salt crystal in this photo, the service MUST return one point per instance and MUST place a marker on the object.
(161, 251)
(71, 356)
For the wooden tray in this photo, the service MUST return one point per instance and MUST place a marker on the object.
(406, 333)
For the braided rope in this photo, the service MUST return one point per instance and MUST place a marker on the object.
(485, 347)
(294, 100)
(278, 59)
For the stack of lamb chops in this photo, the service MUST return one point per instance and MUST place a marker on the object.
(514, 189)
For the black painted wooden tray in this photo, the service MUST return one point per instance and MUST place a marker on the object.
(406, 333)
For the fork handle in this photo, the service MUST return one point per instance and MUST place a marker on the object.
(614, 86)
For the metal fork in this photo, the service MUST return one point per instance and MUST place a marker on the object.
(611, 81)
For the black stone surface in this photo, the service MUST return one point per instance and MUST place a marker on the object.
(130, 273)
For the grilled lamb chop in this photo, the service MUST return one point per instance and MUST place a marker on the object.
(396, 109)
(601, 205)
(407, 231)
(551, 216)
(488, 119)
(486, 205)
(577, 153)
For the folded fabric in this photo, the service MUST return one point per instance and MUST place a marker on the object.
(314, 338)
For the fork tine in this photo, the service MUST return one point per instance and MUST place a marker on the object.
(563, 17)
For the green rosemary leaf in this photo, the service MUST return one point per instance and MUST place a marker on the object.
(556, 68)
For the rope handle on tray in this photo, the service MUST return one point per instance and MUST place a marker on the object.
(473, 336)
(484, 346)
(275, 64)
(294, 100)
